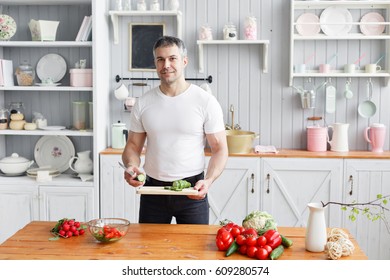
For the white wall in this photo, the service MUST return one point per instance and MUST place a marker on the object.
(264, 103)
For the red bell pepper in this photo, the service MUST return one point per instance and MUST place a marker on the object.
(224, 239)
(273, 238)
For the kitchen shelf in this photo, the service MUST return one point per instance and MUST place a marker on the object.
(263, 43)
(55, 44)
(65, 132)
(46, 88)
(116, 14)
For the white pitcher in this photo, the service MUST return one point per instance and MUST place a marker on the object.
(339, 141)
(316, 235)
(82, 163)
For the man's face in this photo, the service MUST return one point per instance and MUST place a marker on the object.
(169, 64)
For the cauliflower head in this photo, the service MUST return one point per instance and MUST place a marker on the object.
(261, 221)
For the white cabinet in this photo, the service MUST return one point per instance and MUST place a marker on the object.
(314, 45)
(363, 180)
(25, 200)
(289, 184)
(236, 192)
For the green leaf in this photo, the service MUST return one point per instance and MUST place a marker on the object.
(352, 218)
(54, 238)
(344, 208)
(379, 196)
(384, 201)
(356, 211)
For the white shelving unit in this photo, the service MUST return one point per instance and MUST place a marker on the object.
(263, 43)
(298, 7)
(116, 14)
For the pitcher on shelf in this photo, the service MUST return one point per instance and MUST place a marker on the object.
(82, 164)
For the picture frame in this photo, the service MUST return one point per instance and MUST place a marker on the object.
(142, 37)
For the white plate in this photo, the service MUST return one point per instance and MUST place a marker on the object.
(308, 29)
(341, 16)
(47, 85)
(54, 151)
(372, 29)
(53, 127)
(7, 27)
(162, 191)
(51, 66)
(34, 171)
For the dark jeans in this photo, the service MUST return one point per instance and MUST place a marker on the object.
(161, 208)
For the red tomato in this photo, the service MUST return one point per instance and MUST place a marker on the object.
(240, 240)
(251, 241)
(243, 249)
(251, 251)
(268, 248)
(242, 229)
(235, 231)
(250, 232)
(261, 241)
(261, 254)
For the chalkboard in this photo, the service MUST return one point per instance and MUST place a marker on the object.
(142, 38)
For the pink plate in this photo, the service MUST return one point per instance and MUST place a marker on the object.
(372, 29)
(306, 29)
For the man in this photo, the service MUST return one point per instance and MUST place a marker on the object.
(175, 118)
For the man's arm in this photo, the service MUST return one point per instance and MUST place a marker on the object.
(131, 156)
(219, 155)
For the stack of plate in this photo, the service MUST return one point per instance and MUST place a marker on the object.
(33, 172)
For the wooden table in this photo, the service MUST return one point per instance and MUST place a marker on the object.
(143, 241)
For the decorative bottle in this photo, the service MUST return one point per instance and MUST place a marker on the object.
(173, 5)
(316, 235)
(250, 28)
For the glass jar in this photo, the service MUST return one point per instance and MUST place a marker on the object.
(250, 28)
(205, 32)
(25, 74)
(3, 118)
(229, 32)
(141, 5)
(155, 6)
(16, 108)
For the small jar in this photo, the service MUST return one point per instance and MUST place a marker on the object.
(141, 5)
(16, 108)
(205, 32)
(3, 118)
(250, 28)
(229, 32)
(25, 74)
(155, 6)
(173, 5)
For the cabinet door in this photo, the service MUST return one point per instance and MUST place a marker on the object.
(18, 207)
(117, 198)
(289, 184)
(363, 180)
(236, 192)
(66, 202)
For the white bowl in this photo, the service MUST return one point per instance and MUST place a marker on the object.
(43, 30)
(15, 164)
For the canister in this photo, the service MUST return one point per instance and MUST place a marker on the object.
(79, 114)
(317, 138)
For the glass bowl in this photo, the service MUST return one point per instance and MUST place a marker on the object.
(108, 229)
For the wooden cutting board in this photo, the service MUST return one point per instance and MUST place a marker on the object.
(162, 191)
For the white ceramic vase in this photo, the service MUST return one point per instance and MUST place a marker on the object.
(316, 235)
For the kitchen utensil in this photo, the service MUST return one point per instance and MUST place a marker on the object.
(163, 191)
(305, 29)
(372, 68)
(375, 135)
(81, 164)
(360, 58)
(119, 134)
(4, 118)
(232, 112)
(128, 171)
(240, 141)
(382, 56)
(332, 15)
(14, 164)
(351, 68)
(317, 138)
(121, 93)
(367, 109)
(372, 29)
(348, 92)
(98, 229)
(332, 58)
(339, 141)
(330, 95)
(54, 151)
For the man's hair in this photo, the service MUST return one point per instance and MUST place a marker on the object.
(167, 41)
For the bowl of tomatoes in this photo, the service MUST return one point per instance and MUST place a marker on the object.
(108, 229)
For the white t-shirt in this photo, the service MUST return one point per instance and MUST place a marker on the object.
(175, 128)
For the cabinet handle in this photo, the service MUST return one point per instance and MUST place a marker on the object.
(253, 183)
(268, 179)
(350, 180)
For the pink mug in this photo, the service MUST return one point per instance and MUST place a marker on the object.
(317, 138)
(375, 135)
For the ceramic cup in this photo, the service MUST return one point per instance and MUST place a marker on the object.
(372, 68)
(375, 135)
(350, 68)
(121, 93)
(324, 68)
(300, 68)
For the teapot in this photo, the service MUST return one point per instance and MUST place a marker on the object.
(339, 142)
(82, 164)
(119, 135)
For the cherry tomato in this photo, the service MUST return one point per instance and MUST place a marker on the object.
(251, 241)
(243, 249)
(235, 231)
(261, 254)
(250, 232)
(268, 248)
(240, 240)
(261, 241)
(251, 251)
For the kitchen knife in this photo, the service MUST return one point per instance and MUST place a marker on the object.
(127, 171)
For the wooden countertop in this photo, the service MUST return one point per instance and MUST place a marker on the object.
(143, 241)
(286, 153)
